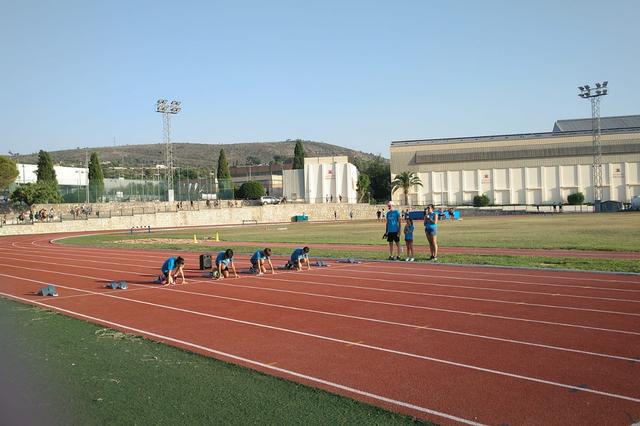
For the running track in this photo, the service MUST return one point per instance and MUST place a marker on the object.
(452, 344)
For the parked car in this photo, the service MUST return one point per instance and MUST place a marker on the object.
(269, 200)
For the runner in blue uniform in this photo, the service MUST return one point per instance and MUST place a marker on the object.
(300, 256)
(431, 229)
(259, 259)
(170, 269)
(224, 261)
(392, 230)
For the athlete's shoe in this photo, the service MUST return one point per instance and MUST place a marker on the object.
(397, 257)
(391, 258)
(407, 259)
(412, 260)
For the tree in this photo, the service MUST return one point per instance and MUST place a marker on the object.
(251, 190)
(576, 199)
(96, 177)
(298, 155)
(8, 172)
(223, 166)
(39, 192)
(481, 200)
(404, 181)
(45, 172)
(363, 186)
(378, 171)
(252, 160)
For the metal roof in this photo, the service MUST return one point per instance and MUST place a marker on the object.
(629, 123)
(606, 123)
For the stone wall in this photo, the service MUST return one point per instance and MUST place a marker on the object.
(203, 217)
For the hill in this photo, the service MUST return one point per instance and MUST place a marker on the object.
(197, 155)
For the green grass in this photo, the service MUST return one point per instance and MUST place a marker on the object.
(604, 232)
(92, 375)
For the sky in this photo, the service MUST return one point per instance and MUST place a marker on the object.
(360, 74)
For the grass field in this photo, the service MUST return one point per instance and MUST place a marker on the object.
(605, 232)
(86, 374)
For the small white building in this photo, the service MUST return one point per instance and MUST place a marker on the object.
(323, 180)
(67, 176)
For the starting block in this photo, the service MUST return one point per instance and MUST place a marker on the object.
(117, 285)
(320, 263)
(348, 260)
(48, 291)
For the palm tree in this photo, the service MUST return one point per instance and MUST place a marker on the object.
(404, 181)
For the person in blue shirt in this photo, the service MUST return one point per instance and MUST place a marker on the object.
(300, 256)
(431, 229)
(170, 269)
(259, 259)
(392, 231)
(224, 261)
(408, 238)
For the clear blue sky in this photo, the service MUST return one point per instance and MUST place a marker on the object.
(353, 73)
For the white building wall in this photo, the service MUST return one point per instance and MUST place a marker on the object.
(525, 185)
(79, 176)
(326, 182)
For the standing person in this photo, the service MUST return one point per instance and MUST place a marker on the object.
(392, 230)
(408, 239)
(298, 257)
(335, 215)
(379, 214)
(170, 269)
(351, 214)
(224, 261)
(431, 229)
(259, 259)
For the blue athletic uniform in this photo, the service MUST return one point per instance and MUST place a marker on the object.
(408, 233)
(393, 221)
(168, 265)
(431, 228)
(259, 255)
(220, 259)
(297, 255)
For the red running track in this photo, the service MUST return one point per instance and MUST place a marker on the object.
(452, 344)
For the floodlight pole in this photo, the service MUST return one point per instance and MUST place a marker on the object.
(166, 109)
(594, 94)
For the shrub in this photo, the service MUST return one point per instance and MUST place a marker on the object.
(481, 200)
(576, 199)
(251, 190)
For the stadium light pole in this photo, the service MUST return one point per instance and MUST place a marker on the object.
(594, 94)
(167, 109)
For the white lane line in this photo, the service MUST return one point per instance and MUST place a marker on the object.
(467, 279)
(452, 311)
(251, 362)
(361, 345)
(337, 314)
(381, 265)
(416, 293)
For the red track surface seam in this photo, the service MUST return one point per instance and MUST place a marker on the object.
(450, 344)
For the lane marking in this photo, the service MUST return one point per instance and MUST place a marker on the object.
(361, 345)
(254, 363)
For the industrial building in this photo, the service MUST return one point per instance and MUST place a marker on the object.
(323, 180)
(528, 168)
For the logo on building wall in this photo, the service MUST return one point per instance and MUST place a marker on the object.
(618, 173)
(486, 178)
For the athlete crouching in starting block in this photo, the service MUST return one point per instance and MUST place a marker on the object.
(258, 261)
(299, 257)
(224, 261)
(170, 269)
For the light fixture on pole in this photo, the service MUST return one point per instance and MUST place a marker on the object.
(594, 94)
(167, 108)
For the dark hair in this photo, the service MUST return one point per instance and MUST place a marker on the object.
(179, 260)
(305, 249)
(228, 253)
(267, 251)
(431, 206)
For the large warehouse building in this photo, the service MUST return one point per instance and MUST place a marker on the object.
(529, 168)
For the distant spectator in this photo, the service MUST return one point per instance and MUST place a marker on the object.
(351, 214)
(331, 198)
(538, 208)
(327, 198)
(191, 202)
(335, 215)
(379, 214)
(4, 219)
(340, 197)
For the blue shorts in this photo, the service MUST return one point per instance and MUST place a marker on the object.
(431, 231)
(408, 239)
